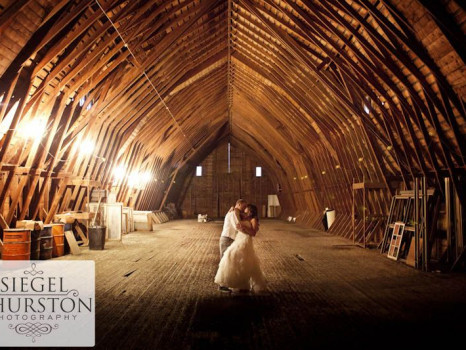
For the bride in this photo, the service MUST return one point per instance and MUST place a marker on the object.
(239, 267)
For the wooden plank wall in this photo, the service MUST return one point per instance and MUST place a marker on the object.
(216, 190)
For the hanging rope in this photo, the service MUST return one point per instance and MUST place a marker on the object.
(144, 73)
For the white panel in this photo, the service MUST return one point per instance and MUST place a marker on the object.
(114, 220)
(330, 218)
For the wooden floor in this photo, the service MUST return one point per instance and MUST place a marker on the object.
(155, 290)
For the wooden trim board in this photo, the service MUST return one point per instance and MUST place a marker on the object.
(74, 248)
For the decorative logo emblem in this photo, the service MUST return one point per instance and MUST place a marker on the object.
(33, 271)
(33, 330)
(42, 303)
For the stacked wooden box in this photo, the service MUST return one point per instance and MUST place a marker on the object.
(147, 220)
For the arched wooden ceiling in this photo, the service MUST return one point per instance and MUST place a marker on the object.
(363, 90)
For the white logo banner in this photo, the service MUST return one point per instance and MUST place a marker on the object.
(47, 303)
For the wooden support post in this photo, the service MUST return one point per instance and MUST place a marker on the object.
(44, 213)
(364, 215)
(22, 85)
(4, 225)
(58, 194)
(168, 189)
(416, 223)
(459, 225)
(425, 245)
(448, 219)
(353, 213)
(3, 222)
(387, 228)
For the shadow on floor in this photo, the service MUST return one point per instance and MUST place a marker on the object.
(229, 321)
(250, 322)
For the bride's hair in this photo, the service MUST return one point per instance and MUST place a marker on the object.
(253, 211)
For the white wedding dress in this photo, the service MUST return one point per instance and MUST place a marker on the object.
(240, 268)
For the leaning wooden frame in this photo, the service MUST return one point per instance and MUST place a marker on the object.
(397, 238)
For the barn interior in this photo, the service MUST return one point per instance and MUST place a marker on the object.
(129, 128)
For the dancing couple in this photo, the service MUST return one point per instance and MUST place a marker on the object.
(239, 269)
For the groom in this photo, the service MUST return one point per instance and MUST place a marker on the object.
(228, 235)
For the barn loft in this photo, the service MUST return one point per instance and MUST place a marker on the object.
(346, 116)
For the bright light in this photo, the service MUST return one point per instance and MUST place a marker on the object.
(87, 147)
(258, 171)
(81, 101)
(139, 180)
(118, 173)
(6, 122)
(366, 109)
(89, 106)
(133, 179)
(146, 177)
(199, 170)
(32, 129)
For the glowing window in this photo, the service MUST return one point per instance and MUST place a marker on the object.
(258, 171)
(199, 170)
